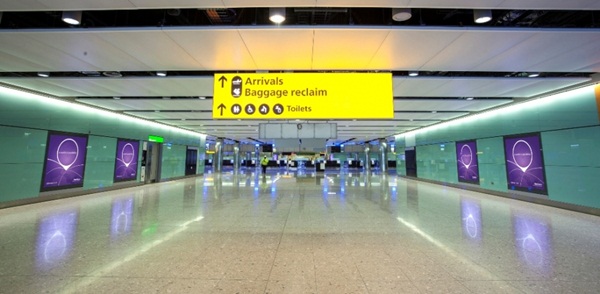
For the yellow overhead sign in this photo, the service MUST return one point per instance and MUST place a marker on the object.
(303, 96)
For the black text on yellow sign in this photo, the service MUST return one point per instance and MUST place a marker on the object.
(303, 96)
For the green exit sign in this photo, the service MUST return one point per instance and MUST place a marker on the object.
(156, 139)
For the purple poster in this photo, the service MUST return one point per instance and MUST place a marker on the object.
(126, 162)
(533, 242)
(65, 161)
(466, 159)
(55, 239)
(524, 163)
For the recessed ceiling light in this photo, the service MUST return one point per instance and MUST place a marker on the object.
(43, 74)
(277, 14)
(112, 74)
(413, 73)
(533, 74)
(401, 14)
(72, 17)
(470, 98)
(161, 73)
(482, 15)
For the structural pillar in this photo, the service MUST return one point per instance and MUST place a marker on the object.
(218, 165)
(236, 157)
(367, 158)
(383, 149)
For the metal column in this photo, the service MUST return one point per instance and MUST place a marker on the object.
(218, 165)
(367, 159)
(383, 148)
(236, 157)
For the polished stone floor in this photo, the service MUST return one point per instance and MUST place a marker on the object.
(338, 232)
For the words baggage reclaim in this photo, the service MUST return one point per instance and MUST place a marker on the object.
(303, 96)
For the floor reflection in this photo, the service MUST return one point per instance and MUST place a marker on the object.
(533, 241)
(55, 239)
(369, 225)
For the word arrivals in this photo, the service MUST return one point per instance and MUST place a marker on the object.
(262, 81)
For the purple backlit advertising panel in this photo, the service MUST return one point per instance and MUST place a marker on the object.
(466, 160)
(524, 163)
(126, 161)
(55, 239)
(65, 161)
(533, 242)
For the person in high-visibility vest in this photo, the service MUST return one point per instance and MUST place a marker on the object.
(264, 163)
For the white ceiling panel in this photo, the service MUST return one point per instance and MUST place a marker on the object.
(88, 49)
(447, 104)
(269, 3)
(544, 45)
(43, 86)
(178, 3)
(477, 87)
(458, 3)
(350, 123)
(170, 115)
(528, 87)
(280, 48)
(346, 49)
(209, 122)
(362, 3)
(35, 55)
(571, 60)
(149, 104)
(473, 48)
(22, 5)
(154, 49)
(411, 49)
(214, 49)
(428, 115)
(329, 48)
(87, 4)
(109, 87)
(550, 4)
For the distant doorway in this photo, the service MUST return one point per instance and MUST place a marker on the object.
(411, 162)
(191, 162)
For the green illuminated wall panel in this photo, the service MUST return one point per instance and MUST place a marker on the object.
(572, 161)
(570, 131)
(437, 162)
(100, 162)
(21, 162)
(571, 110)
(400, 161)
(25, 120)
(492, 168)
(173, 161)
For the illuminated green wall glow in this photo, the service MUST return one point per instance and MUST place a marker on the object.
(570, 132)
(25, 120)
